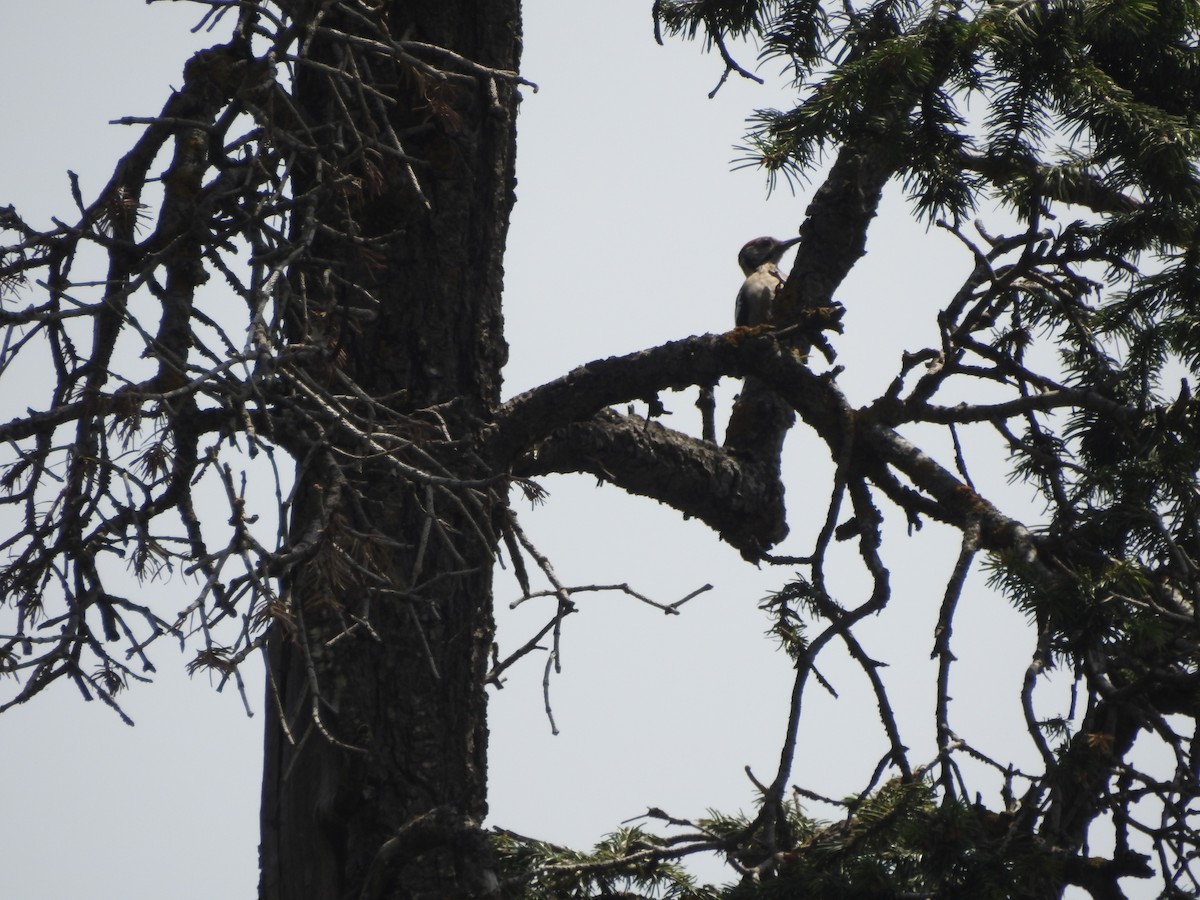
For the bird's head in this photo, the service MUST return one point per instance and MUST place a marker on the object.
(763, 250)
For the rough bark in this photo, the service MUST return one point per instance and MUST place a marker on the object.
(738, 498)
(389, 151)
(375, 774)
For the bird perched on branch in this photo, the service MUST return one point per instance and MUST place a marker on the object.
(759, 260)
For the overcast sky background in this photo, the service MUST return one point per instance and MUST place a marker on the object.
(625, 235)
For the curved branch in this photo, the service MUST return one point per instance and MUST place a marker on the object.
(1067, 398)
(738, 498)
(562, 426)
(575, 397)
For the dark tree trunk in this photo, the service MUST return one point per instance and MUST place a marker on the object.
(375, 778)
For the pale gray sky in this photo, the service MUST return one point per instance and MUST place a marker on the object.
(625, 235)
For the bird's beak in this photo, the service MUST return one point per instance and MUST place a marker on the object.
(790, 242)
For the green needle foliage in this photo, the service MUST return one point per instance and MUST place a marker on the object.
(1072, 343)
(1079, 119)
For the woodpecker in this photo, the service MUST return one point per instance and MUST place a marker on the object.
(759, 260)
